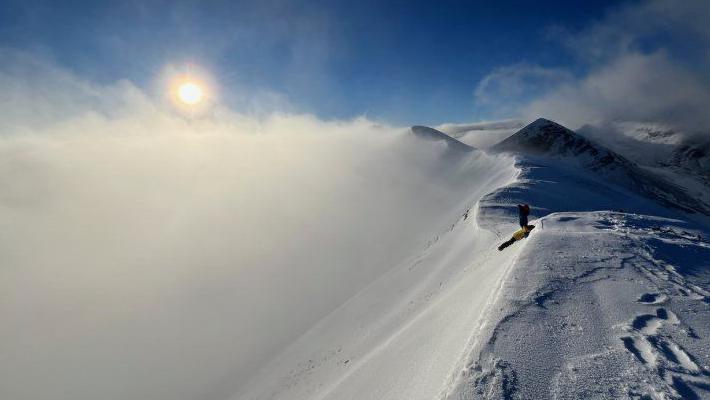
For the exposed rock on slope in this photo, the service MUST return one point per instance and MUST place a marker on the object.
(694, 158)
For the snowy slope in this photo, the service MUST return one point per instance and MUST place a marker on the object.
(400, 337)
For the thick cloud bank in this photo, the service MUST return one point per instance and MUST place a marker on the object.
(150, 255)
(644, 61)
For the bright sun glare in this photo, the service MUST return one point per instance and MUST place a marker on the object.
(190, 93)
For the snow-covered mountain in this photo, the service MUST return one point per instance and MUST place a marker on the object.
(595, 304)
(548, 139)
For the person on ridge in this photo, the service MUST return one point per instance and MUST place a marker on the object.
(524, 231)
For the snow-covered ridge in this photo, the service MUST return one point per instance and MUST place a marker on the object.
(597, 304)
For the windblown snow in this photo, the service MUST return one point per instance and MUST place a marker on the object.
(387, 287)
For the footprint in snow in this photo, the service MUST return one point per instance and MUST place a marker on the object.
(652, 298)
(661, 353)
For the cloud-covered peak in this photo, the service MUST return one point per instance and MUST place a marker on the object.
(428, 133)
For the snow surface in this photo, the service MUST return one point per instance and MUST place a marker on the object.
(599, 305)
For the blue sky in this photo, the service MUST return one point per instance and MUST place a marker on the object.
(405, 62)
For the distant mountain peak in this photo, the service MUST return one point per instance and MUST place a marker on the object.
(545, 137)
(545, 122)
(541, 136)
(428, 133)
(542, 126)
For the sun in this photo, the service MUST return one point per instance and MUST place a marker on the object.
(190, 89)
(190, 93)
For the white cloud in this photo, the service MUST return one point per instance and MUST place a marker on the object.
(642, 62)
(506, 89)
(145, 254)
(632, 87)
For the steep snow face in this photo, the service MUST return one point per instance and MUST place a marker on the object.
(599, 305)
